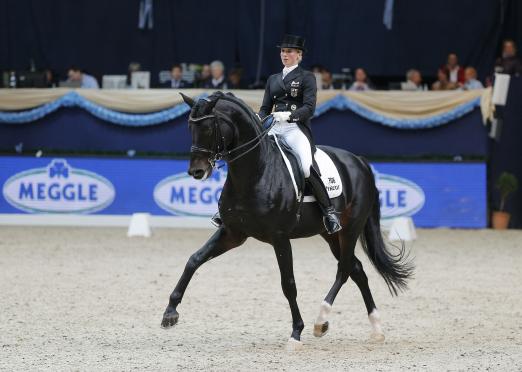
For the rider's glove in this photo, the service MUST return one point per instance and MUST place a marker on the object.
(282, 116)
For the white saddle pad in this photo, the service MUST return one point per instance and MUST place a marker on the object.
(329, 174)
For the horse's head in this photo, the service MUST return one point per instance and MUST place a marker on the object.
(209, 136)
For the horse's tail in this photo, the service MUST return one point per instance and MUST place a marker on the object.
(395, 269)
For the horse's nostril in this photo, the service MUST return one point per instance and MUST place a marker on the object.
(197, 173)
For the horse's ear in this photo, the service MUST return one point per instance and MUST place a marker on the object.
(189, 101)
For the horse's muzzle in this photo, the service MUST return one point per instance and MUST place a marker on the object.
(199, 173)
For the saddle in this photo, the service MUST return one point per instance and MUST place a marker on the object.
(322, 162)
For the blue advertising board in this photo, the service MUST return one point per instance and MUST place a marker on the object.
(433, 194)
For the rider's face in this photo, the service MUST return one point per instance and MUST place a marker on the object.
(290, 56)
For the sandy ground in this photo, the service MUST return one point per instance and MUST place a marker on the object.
(92, 299)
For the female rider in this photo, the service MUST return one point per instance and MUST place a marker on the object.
(292, 94)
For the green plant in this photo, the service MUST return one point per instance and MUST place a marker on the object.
(506, 184)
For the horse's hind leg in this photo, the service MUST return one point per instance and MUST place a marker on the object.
(342, 246)
(222, 241)
(359, 277)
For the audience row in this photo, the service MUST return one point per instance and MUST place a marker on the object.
(450, 76)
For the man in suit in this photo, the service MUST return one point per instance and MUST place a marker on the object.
(176, 80)
(292, 94)
(217, 80)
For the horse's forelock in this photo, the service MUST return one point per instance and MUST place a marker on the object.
(204, 106)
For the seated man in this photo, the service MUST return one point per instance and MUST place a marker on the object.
(455, 72)
(86, 81)
(471, 82)
(413, 80)
(176, 80)
(218, 81)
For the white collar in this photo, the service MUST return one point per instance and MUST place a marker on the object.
(287, 70)
(218, 81)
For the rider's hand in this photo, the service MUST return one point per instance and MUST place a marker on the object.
(282, 116)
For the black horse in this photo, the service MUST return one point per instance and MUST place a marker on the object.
(258, 200)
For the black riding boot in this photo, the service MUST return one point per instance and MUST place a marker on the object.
(330, 218)
(216, 220)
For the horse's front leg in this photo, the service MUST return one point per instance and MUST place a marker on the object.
(222, 241)
(283, 250)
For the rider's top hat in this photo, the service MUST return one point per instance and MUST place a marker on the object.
(292, 41)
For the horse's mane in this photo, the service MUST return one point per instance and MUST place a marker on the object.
(204, 107)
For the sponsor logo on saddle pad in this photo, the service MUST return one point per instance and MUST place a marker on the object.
(180, 194)
(58, 188)
(398, 196)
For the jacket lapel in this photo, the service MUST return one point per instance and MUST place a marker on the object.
(280, 81)
(292, 74)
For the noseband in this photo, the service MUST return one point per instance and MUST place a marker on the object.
(219, 151)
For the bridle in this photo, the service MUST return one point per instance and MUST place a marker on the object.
(219, 151)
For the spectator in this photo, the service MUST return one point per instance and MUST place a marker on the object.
(443, 82)
(456, 73)
(508, 63)
(176, 80)
(361, 82)
(471, 81)
(204, 76)
(317, 69)
(413, 80)
(87, 81)
(235, 79)
(327, 80)
(50, 78)
(217, 72)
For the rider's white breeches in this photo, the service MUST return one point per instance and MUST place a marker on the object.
(297, 140)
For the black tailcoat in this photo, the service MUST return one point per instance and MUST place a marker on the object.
(297, 93)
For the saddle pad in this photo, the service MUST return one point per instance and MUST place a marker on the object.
(329, 174)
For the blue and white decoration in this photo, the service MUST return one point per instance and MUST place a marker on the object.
(339, 102)
(433, 194)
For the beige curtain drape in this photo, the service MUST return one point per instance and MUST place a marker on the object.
(392, 104)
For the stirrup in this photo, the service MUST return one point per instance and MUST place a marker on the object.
(216, 220)
(331, 221)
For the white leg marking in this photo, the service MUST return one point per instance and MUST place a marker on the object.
(321, 323)
(324, 311)
(375, 321)
(293, 344)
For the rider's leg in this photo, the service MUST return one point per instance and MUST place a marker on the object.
(330, 218)
(299, 142)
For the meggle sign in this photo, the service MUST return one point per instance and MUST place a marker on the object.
(398, 196)
(58, 188)
(181, 194)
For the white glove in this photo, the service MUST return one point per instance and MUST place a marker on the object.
(281, 116)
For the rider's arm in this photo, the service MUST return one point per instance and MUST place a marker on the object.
(306, 111)
(268, 102)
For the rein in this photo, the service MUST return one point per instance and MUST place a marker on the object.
(218, 153)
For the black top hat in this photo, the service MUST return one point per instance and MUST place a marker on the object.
(293, 41)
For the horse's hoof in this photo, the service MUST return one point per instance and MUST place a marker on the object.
(170, 318)
(321, 329)
(293, 345)
(377, 337)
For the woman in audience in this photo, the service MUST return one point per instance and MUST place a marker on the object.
(443, 82)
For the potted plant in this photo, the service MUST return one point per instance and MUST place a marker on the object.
(506, 184)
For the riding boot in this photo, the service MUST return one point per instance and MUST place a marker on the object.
(330, 218)
(216, 220)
